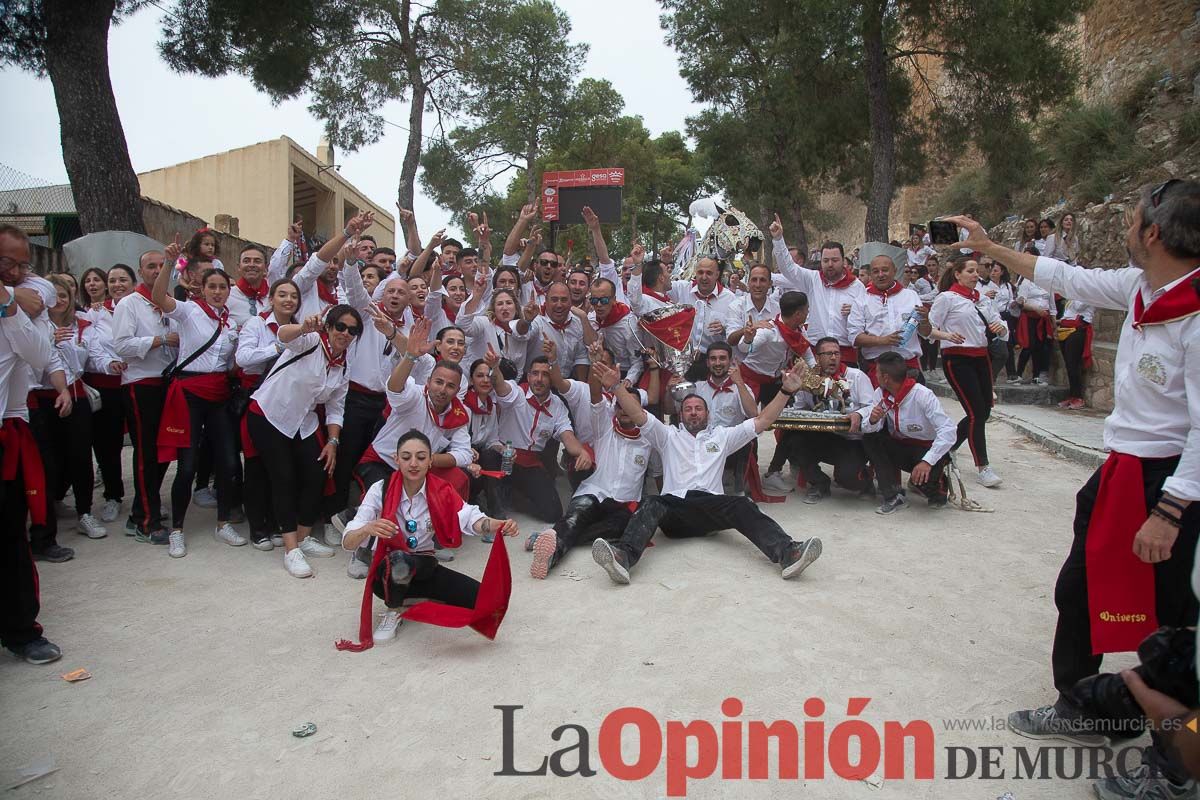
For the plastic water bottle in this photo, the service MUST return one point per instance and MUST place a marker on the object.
(910, 327)
(506, 458)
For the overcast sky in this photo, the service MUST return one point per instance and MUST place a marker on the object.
(627, 48)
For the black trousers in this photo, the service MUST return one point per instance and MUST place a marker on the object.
(1010, 364)
(1072, 353)
(1071, 655)
(1039, 351)
(890, 455)
(143, 412)
(362, 419)
(698, 514)
(532, 490)
(428, 579)
(971, 379)
(19, 599)
(297, 479)
(260, 513)
(929, 355)
(369, 473)
(44, 536)
(70, 441)
(588, 519)
(211, 421)
(489, 487)
(809, 449)
(108, 437)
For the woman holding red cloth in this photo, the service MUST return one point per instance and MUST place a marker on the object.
(961, 320)
(196, 397)
(403, 517)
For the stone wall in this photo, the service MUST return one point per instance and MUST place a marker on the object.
(1120, 41)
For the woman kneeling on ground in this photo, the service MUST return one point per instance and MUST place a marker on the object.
(404, 515)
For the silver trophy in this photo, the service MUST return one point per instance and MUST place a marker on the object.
(672, 328)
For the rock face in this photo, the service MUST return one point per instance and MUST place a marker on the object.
(1119, 41)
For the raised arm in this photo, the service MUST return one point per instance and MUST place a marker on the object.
(792, 274)
(512, 244)
(749, 404)
(501, 386)
(408, 221)
(160, 292)
(419, 266)
(417, 345)
(630, 404)
(593, 223)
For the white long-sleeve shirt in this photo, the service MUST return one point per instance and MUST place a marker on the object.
(411, 409)
(289, 400)
(258, 344)
(742, 309)
(710, 309)
(1156, 377)
(862, 398)
(825, 317)
(695, 462)
(921, 417)
(136, 322)
(24, 348)
(620, 461)
(529, 428)
(195, 329)
(954, 313)
(372, 358)
(879, 315)
(415, 508)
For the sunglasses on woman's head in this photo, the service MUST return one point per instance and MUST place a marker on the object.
(342, 327)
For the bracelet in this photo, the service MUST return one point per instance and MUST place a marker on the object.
(1175, 521)
(346, 232)
(411, 357)
(333, 440)
(395, 332)
(1175, 504)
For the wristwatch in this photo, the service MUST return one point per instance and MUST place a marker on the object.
(333, 440)
(411, 357)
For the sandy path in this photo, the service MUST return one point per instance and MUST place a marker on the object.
(203, 665)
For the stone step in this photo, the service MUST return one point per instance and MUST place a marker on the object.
(1009, 394)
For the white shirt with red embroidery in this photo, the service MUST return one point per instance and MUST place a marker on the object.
(529, 428)
(620, 460)
(411, 409)
(880, 315)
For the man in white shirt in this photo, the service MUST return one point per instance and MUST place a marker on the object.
(616, 324)
(907, 430)
(529, 420)
(765, 349)
(711, 300)
(1153, 436)
(692, 503)
(558, 321)
(831, 290)
(878, 317)
(24, 348)
(248, 295)
(851, 393)
(604, 503)
(756, 306)
(730, 402)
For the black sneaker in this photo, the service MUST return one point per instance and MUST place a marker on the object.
(160, 536)
(130, 527)
(799, 556)
(55, 554)
(891, 504)
(1051, 722)
(815, 494)
(613, 561)
(39, 651)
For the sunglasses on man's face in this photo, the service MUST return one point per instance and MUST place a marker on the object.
(599, 301)
(546, 262)
(342, 327)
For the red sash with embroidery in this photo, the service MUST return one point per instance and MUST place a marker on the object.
(1121, 598)
(327, 294)
(21, 452)
(495, 588)
(175, 430)
(455, 417)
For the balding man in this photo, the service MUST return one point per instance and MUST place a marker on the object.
(877, 317)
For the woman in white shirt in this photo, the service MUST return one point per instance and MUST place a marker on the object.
(1045, 229)
(1002, 282)
(497, 328)
(284, 427)
(196, 398)
(258, 349)
(926, 288)
(1075, 341)
(1035, 327)
(68, 459)
(404, 518)
(485, 431)
(961, 320)
(1064, 244)
(108, 424)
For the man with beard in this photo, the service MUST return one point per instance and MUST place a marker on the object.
(730, 402)
(616, 324)
(692, 502)
(807, 450)
(577, 284)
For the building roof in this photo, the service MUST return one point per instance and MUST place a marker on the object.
(37, 201)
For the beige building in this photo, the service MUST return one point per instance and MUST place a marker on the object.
(263, 188)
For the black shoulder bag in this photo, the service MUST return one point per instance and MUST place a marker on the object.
(239, 403)
(175, 368)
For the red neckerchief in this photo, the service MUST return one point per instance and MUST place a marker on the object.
(109, 305)
(80, 324)
(539, 289)
(659, 296)
(632, 433)
(253, 293)
(327, 294)
(840, 375)
(794, 338)
(502, 325)
(842, 282)
(539, 408)
(220, 317)
(1176, 304)
(962, 291)
(558, 327)
(331, 360)
(454, 417)
(884, 294)
(472, 401)
(144, 291)
(451, 313)
(727, 386)
(709, 298)
(273, 326)
(615, 315)
(898, 398)
(418, 311)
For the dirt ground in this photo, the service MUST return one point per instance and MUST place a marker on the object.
(202, 666)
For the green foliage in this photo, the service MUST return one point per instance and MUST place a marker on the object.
(1094, 146)
(1189, 127)
(23, 31)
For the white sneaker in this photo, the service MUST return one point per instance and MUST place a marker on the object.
(229, 536)
(296, 564)
(204, 498)
(110, 511)
(357, 569)
(277, 539)
(312, 547)
(386, 629)
(176, 546)
(989, 478)
(333, 537)
(776, 484)
(90, 527)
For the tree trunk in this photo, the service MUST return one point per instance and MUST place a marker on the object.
(531, 177)
(879, 116)
(412, 154)
(107, 195)
(799, 238)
